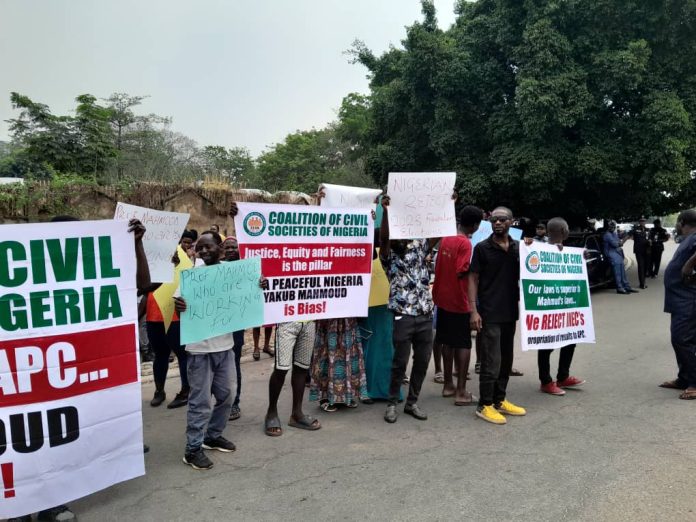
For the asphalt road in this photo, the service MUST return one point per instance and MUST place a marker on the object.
(618, 449)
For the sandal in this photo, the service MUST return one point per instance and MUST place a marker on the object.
(439, 378)
(271, 424)
(305, 423)
(256, 355)
(352, 404)
(672, 385)
(269, 351)
(688, 395)
(327, 406)
(469, 402)
(516, 373)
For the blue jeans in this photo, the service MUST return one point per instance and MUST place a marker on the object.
(238, 345)
(683, 333)
(208, 373)
(620, 275)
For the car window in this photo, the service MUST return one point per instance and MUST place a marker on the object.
(591, 243)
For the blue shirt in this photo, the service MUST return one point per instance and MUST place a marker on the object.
(680, 298)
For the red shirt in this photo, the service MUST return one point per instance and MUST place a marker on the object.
(453, 259)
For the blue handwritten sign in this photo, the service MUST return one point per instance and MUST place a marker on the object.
(221, 299)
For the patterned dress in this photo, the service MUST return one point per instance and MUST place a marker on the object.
(338, 368)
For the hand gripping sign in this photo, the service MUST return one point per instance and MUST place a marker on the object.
(68, 346)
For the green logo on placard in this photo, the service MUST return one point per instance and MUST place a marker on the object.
(254, 224)
(533, 262)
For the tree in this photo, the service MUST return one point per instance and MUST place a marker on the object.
(234, 165)
(574, 108)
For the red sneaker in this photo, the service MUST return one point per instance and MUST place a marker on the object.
(552, 388)
(570, 382)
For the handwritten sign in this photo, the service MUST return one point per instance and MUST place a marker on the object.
(421, 205)
(342, 196)
(164, 230)
(220, 299)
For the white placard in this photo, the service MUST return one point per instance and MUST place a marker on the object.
(68, 348)
(421, 205)
(555, 301)
(342, 196)
(163, 232)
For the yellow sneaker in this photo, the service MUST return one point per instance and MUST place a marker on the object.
(490, 414)
(508, 408)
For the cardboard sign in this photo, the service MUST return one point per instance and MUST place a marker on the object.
(341, 196)
(163, 232)
(317, 260)
(555, 303)
(68, 347)
(421, 205)
(221, 299)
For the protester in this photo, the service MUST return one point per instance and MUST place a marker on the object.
(338, 367)
(658, 237)
(164, 343)
(63, 513)
(613, 250)
(230, 252)
(641, 249)
(450, 294)
(680, 303)
(209, 365)
(558, 232)
(541, 233)
(188, 238)
(493, 295)
(406, 265)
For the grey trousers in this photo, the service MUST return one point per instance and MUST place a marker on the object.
(208, 374)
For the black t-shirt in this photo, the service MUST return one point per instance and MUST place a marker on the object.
(499, 276)
(640, 240)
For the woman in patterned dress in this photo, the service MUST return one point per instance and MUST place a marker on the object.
(338, 367)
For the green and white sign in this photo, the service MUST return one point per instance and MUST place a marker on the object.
(555, 304)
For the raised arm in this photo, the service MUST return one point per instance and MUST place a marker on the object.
(472, 291)
(142, 270)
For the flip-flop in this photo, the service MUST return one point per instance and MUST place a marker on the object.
(439, 378)
(327, 406)
(672, 385)
(688, 395)
(305, 423)
(273, 423)
(270, 352)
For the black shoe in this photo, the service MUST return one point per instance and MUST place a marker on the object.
(158, 399)
(147, 355)
(198, 460)
(181, 399)
(56, 514)
(235, 413)
(633, 290)
(219, 444)
(23, 518)
(390, 415)
(623, 292)
(146, 448)
(477, 367)
(644, 286)
(415, 412)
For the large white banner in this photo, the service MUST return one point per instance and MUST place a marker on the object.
(342, 196)
(421, 205)
(68, 347)
(555, 302)
(163, 233)
(318, 260)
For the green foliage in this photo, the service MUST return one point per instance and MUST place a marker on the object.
(574, 108)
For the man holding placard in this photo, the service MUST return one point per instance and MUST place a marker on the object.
(406, 264)
(209, 365)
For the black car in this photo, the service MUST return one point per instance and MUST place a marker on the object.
(599, 271)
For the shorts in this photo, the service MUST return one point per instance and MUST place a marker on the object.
(294, 345)
(453, 329)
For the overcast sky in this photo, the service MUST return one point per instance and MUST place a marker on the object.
(229, 72)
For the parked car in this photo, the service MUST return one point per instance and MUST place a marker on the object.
(599, 271)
